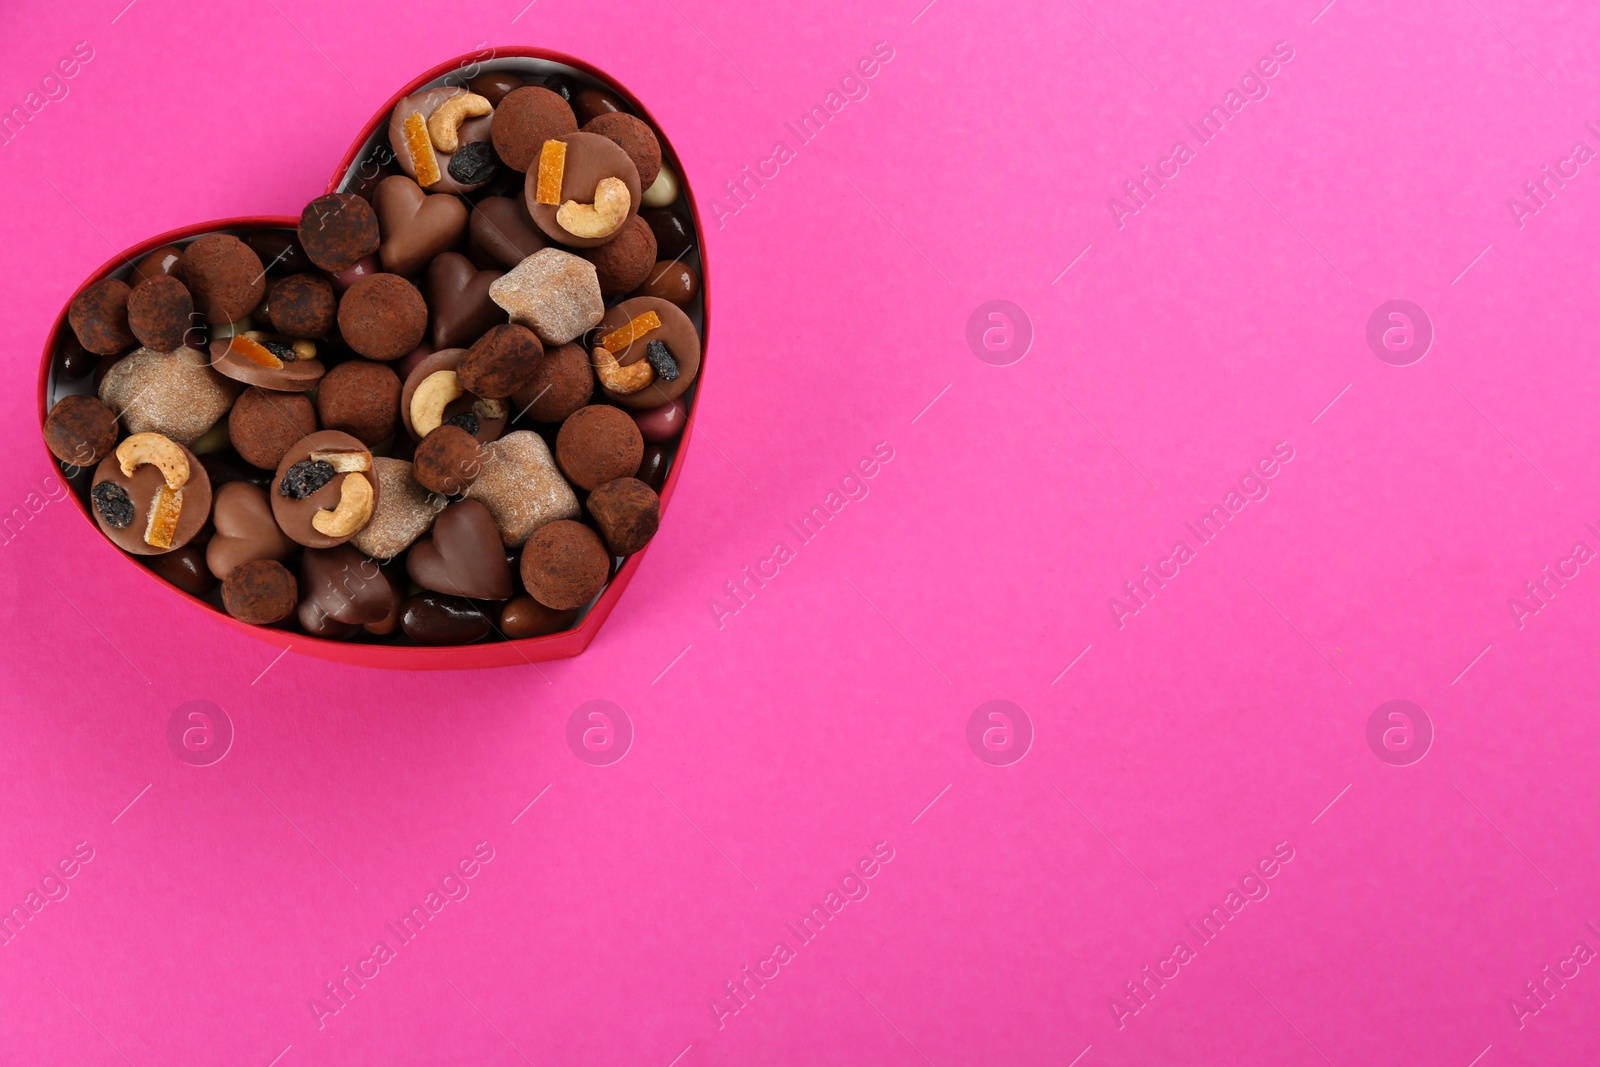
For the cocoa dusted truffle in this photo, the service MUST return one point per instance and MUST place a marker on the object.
(337, 230)
(383, 316)
(264, 424)
(361, 398)
(564, 565)
(628, 513)
(562, 384)
(99, 316)
(260, 592)
(80, 430)
(302, 305)
(159, 311)
(635, 137)
(447, 460)
(224, 276)
(525, 120)
(624, 263)
(502, 361)
(596, 444)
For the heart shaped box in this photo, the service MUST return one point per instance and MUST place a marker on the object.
(53, 385)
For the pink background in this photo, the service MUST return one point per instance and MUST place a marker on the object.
(773, 752)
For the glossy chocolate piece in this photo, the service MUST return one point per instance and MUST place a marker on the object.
(346, 585)
(458, 301)
(494, 85)
(291, 376)
(417, 224)
(674, 233)
(245, 529)
(590, 104)
(141, 488)
(157, 263)
(438, 619)
(77, 362)
(676, 282)
(653, 467)
(501, 228)
(462, 555)
(279, 251)
(185, 568)
(525, 617)
(294, 515)
(662, 424)
(318, 623)
(590, 157)
(675, 331)
(425, 103)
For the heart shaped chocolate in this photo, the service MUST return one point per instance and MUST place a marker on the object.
(380, 255)
(458, 297)
(416, 226)
(463, 556)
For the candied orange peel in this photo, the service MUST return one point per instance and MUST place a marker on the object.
(420, 145)
(254, 351)
(619, 339)
(552, 166)
(164, 514)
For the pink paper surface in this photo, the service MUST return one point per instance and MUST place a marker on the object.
(1172, 753)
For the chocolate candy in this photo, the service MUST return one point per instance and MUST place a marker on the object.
(260, 593)
(484, 419)
(670, 280)
(279, 250)
(447, 460)
(503, 230)
(225, 277)
(458, 125)
(624, 264)
(596, 444)
(159, 311)
(302, 305)
(653, 467)
(524, 120)
(403, 513)
(346, 586)
(634, 136)
(122, 501)
(257, 360)
(99, 316)
(564, 565)
(361, 268)
(382, 316)
(554, 293)
(318, 623)
(562, 384)
(520, 485)
(157, 263)
(590, 104)
(662, 424)
(494, 85)
(628, 513)
(362, 399)
(526, 617)
(264, 424)
(502, 361)
(462, 555)
(675, 331)
(437, 619)
(590, 159)
(245, 529)
(337, 230)
(316, 506)
(458, 300)
(80, 431)
(77, 362)
(416, 225)
(171, 393)
(674, 233)
(185, 568)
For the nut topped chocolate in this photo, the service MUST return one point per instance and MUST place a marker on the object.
(582, 188)
(430, 129)
(324, 491)
(151, 495)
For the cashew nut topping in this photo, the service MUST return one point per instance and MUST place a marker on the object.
(344, 462)
(619, 379)
(142, 448)
(610, 207)
(434, 393)
(444, 125)
(355, 508)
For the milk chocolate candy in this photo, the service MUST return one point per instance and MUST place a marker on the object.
(265, 363)
(462, 556)
(468, 130)
(458, 300)
(310, 497)
(346, 585)
(502, 228)
(417, 225)
(524, 120)
(676, 332)
(123, 503)
(484, 419)
(245, 529)
(589, 159)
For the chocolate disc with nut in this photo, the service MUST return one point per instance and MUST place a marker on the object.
(266, 363)
(122, 503)
(477, 166)
(589, 160)
(676, 333)
(483, 419)
(324, 491)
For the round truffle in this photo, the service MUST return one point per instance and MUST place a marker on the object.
(447, 460)
(265, 423)
(99, 316)
(562, 384)
(260, 592)
(564, 565)
(525, 120)
(500, 362)
(360, 398)
(302, 305)
(635, 137)
(382, 316)
(628, 513)
(596, 444)
(159, 311)
(225, 277)
(337, 230)
(625, 262)
(80, 430)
